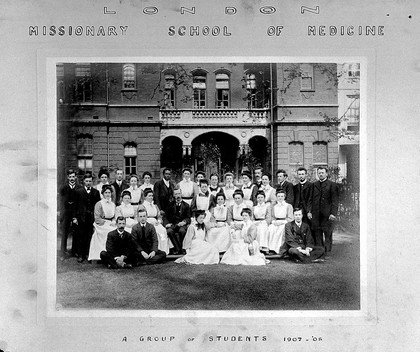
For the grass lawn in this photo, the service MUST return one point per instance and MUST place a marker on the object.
(280, 285)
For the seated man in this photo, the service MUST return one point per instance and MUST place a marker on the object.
(299, 243)
(146, 241)
(177, 221)
(120, 248)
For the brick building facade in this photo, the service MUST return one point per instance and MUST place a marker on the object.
(215, 117)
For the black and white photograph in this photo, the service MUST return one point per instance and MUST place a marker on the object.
(244, 178)
(209, 175)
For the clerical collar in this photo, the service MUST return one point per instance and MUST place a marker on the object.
(302, 182)
(323, 180)
(120, 232)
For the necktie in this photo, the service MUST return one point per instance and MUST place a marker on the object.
(200, 226)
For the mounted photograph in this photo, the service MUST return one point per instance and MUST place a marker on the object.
(208, 186)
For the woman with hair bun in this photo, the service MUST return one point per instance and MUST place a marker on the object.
(218, 233)
(147, 176)
(103, 176)
(262, 219)
(126, 210)
(154, 217)
(244, 249)
(187, 186)
(104, 213)
(135, 191)
(198, 250)
(229, 188)
(281, 214)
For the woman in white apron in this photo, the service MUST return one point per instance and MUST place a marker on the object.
(270, 193)
(104, 213)
(262, 219)
(229, 188)
(204, 200)
(249, 189)
(127, 210)
(136, 192)
(188, 188)
(214, 187)
(281, 214)
(218, 230)
(147, 176)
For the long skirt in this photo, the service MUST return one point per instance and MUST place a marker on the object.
(99, 237)
(201, 252)
(219, 237)
(276, 237)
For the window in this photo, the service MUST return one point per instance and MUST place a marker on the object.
(169, 90)
(129, 76)
(84, 146)
(199, 91)
(60, 84)
(353, 71)
(130, 159)
(222, 90)
(295, 153)
(307, 77)
(353, 108)
(83, 83)
(320, 153)
(251, 87)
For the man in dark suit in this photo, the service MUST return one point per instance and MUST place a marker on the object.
(87, 197)
(285, 185)
(177, 220)
(322, 209)
(67, 209)
(258, 172)
(119, 185)
(302, 193)
(163, 191)
(120, 248)
(146, 241)
(299, 243)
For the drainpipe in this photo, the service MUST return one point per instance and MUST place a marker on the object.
(107, 114)
(272, 119)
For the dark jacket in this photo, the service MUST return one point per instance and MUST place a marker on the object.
(118, 190)
(296, 237)
(163, 195)
(147, 242)
(86, 203)
(67, 200)
(288, 188)
(302, 196)
(117, 246)
(174, 216)
(324, 200)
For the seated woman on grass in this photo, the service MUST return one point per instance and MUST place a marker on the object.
(244, 249)
(198, 250)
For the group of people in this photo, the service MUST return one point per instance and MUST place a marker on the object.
(127, 224)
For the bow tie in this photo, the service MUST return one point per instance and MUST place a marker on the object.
(213, 188)
(200, 226)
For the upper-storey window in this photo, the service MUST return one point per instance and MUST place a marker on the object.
(222, 90)
(251, 87)
(129, 76)
(169, 90)
(199, 90)
(83, 85)
(307, 77)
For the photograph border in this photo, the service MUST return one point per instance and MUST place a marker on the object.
(47, 247)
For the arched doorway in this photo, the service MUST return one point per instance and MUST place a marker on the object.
(215, 152)
(257, 154)
(172, 155)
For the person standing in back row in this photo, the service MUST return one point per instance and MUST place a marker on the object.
(163, 191)
(302, 193)
(323, 208)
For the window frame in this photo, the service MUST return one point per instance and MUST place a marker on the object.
(132, 74)
(307, 71)
(220, 102)
(130, 159)
(83, 83)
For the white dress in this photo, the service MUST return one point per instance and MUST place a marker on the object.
(270, 193)
(153, 215)
(244, 249)
(203, 203)
(282, 214)
(262, 219)
(198, 250)
(247, 190)
(229, 194)
(136, 195)
(104, 212)
(188, 190)
(219, 231)
(145, 186)
(128, 212)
